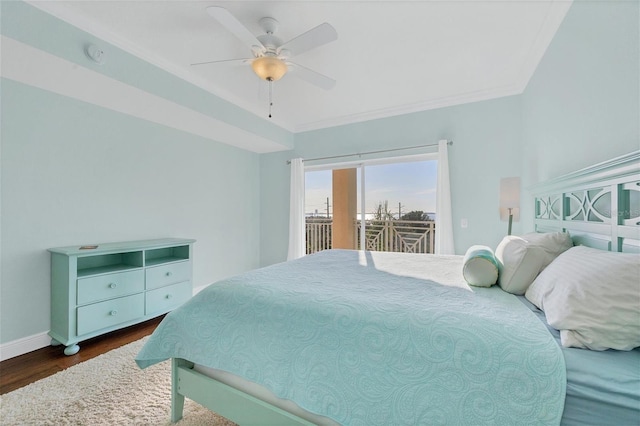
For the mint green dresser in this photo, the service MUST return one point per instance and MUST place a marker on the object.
(101, 288)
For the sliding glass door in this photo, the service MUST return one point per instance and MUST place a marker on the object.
(381, 205)
(318, 208)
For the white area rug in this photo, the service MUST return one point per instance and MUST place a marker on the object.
(107, 390)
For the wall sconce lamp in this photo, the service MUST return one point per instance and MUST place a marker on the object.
(510, 200)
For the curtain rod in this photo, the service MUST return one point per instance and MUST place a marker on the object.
(371, 152)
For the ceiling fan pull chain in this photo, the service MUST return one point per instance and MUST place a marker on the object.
(270, 95)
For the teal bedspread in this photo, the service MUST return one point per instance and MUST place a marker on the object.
(374, 338)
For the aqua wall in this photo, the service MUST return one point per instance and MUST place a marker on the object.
(582, 105)
(27, 24)
(74, 173)
(487, 146)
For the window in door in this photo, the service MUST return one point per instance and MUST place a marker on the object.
(388, 206)
(318, 204)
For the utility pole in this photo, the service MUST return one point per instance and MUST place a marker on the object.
(399, 211)
(327, 207)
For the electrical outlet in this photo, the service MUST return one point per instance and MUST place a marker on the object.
(464, 223)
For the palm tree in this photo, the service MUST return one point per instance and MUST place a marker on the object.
(382, 211)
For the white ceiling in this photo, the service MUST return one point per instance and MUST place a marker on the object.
(391, 57)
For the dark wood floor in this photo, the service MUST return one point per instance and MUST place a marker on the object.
(28, 368)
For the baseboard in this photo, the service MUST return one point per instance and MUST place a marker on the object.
(24, 345)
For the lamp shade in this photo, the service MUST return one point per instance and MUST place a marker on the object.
(510, 197)
(269, 68)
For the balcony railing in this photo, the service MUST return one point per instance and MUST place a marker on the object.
(405, 236)
(318, 234)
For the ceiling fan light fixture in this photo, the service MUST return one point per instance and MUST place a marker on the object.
(269, 68)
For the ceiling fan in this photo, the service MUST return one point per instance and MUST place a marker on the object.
(270, 56)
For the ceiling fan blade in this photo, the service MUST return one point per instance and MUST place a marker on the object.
(228, 61)
(311, 76)
(230, 22)
(315, 37)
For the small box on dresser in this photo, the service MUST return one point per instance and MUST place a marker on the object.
(105, 287)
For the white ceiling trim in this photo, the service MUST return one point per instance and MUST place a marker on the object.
(98, 30)
(555, 15)
(557, 11)
(28, 65)
(448, 101)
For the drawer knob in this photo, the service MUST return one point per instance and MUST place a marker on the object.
(168, 274)
(113, 285)
(168, 296)
(113, 313)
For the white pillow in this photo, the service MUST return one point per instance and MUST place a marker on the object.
(553, 244)
(520, 259)
(479, 267)
(593, 297)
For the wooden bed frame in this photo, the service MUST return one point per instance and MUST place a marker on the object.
(599, 206)
(223, 399)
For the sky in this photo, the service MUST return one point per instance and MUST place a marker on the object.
(412, 184)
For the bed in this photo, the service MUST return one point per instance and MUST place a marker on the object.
(349, 337)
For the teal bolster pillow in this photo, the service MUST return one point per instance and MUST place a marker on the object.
(480, 267)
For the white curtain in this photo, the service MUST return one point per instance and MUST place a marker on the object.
(444, 220)
(296, 211)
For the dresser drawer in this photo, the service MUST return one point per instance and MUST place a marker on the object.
(170, 273)
(108, 286)
(109, 313)
(167, 298)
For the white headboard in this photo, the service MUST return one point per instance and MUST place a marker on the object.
(599, 205)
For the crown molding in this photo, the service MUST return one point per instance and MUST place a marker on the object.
(464, 98)
(556, 13)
